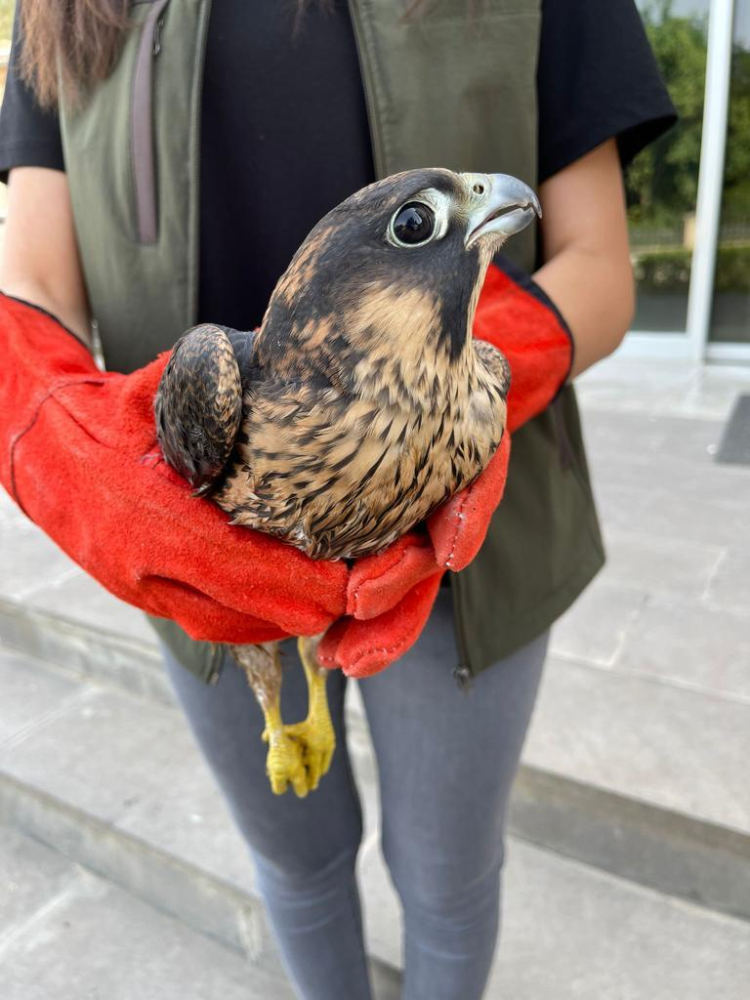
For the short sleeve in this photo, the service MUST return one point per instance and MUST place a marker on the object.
(29, 135)
(597, 79)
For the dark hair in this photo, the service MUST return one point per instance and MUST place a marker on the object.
(74, 44)
(70, 44)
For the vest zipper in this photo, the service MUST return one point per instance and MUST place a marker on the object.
(142, 124)
(365, 54)
(462, 672)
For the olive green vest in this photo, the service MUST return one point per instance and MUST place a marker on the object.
(450, 89)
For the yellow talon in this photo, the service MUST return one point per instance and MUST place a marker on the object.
(300, 754)
(285, 763)
(316, 732)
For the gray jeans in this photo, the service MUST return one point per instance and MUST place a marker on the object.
(446, 761)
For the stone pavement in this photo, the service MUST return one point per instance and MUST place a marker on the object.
(636, 762)
(66, 934)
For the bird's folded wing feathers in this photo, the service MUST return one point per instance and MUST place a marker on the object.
(198, 405)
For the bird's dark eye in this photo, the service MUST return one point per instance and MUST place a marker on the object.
(414, 223)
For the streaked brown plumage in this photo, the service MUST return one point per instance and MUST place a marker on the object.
(362, 403)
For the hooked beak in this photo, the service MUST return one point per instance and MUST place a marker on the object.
(507, 207)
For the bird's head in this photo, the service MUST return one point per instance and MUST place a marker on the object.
(392, 275)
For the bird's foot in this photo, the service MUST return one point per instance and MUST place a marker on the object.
(285, 763)
(318, 741)
(314, 742)
(316, 733)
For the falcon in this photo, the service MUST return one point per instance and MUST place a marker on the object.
(359, 406)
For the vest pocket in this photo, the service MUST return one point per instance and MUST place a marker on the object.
(142, 124)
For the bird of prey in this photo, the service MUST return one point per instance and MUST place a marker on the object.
(360, 405)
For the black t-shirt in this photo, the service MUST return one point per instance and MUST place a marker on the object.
(284, 133)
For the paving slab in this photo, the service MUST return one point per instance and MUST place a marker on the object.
(677, 748)
(669, 567)
(94, 650)
(572, 931)
(735, 442)
(596, 627)
(601, 938)
(676, 854)
(80, 598)
(688, 643)
(186, 816)
(30, 693)
(30, 560)
(105, 753)
(97, 941)
(637, 493)
(672, 388)
(669, 468)
(729, 587)
(30, 875)
(640, 434)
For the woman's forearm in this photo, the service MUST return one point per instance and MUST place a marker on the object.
(40, 261)
(596, 295)
(588, 273)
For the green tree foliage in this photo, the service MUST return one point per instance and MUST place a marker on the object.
(662, 182)
(6, 19)
(737, 168)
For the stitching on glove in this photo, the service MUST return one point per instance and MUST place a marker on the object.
(331, 661)
(459, 518)
(370, 579)
(15, 441)
(326, 660)
(46, 312)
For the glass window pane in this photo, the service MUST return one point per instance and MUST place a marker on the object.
(730, 320)
(662, 183)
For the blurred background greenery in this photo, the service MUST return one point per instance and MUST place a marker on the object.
(662, 184)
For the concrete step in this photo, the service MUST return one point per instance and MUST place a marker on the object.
(627, 766)
(66, 933)
(112, 782)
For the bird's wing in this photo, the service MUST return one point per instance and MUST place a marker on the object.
(199, 401)
(496, 364)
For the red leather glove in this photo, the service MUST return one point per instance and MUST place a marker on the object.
(516, 316)
(78, 453)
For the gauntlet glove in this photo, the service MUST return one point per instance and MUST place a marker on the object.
(78, 453)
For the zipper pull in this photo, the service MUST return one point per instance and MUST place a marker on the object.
(462, 677)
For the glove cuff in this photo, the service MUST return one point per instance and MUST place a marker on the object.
(517, 316)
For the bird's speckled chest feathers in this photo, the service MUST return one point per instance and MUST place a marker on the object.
(367, 404)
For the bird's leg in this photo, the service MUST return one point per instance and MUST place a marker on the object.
(316, 732)
(285, 763)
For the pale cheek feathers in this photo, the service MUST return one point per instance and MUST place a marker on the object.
(404, 319)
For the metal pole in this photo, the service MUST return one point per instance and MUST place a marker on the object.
(711, 177)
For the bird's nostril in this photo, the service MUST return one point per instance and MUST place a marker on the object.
(478, 189)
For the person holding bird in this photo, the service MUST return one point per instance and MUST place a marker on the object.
(289, 222)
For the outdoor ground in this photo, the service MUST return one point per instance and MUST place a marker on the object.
(629, 858)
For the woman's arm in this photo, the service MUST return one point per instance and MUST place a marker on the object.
(588, 273)
(40, 261)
